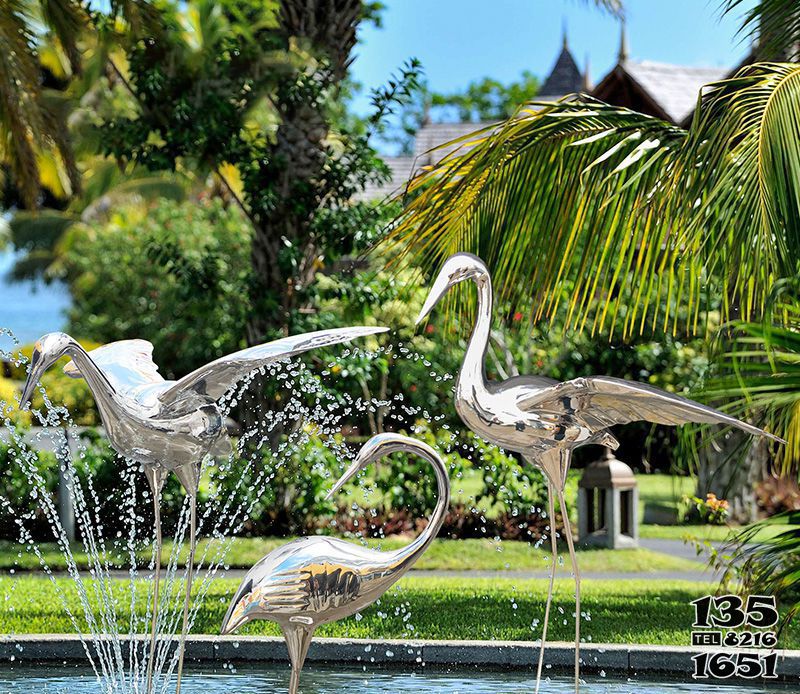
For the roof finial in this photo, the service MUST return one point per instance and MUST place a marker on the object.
(587, 78)
(564, 41)
(623, 44)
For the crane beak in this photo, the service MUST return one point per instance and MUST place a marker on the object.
(438, 290)
(37, 369)
(351, 472)
(235, 618)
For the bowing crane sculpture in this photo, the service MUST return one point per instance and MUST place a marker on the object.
(544, 420)
(315, 580)
(167, 426)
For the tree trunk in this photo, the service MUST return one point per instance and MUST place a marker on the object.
(734, 477)
(284, 252)
(295, 169)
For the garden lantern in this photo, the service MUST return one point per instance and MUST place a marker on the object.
(608, 500)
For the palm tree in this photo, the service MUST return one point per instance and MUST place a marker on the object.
(32, 125)
(609, 221)
(584, 198)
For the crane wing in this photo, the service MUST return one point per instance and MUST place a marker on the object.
(215, 378)
(127, 364)
(604, 401)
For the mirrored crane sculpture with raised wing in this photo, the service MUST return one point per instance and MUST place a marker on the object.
(167, 426)
(544, 420)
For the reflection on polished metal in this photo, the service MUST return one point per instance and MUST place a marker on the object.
(315, 580)
(544, 420)
(167, 426)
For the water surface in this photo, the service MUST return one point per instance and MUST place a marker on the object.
(235, 679)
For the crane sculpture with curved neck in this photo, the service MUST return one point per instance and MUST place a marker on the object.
(315, 580)
(544, 420)
(167, 426)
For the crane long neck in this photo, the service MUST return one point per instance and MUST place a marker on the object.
(101, 388)
(408, 555)
(473, 370)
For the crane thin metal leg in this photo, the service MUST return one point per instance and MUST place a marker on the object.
(551, 513)
(577, 575)
(189, 577)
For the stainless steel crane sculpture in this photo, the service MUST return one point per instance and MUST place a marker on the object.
(315, 580)
(167, 426)
(544, 420)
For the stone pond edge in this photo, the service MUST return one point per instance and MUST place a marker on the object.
(616, 658)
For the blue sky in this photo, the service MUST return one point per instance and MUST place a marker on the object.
(462, 40)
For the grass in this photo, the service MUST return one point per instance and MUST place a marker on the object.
(663, 490)
(706, 533)
(423, 607)
(482, 555)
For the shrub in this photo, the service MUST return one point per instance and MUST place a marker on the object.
(175, 274)
(20, 495)
(9, 394)
(710, 510)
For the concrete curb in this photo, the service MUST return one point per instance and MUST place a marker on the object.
(616, 658)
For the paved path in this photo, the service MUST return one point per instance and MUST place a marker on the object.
(677, 548)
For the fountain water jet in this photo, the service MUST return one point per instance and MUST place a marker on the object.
(167, 425)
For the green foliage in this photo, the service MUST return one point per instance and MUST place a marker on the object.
(172, 273)
(406, 358)
(488, 99)
(255, 88)
(9, 395)
(21, 497)
(407, 484)
(285, 496)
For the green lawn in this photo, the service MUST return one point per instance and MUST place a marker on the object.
(484, 555)
(438, 608)
(705, 533)
(662, 490)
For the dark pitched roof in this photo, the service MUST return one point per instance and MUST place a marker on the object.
(564, 78)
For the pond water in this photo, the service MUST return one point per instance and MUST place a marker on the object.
(328, 680)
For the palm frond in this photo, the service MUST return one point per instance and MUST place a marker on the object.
(20, 115)
(613, 7)
(740, 183)
(557, 199)
(772, 26)
(67, 19)
(579, 197)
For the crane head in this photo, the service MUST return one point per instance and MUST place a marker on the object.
(46, 352)
(377, 447)
(238, 613)
(457, 268)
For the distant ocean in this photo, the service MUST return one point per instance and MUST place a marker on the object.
(30, 309)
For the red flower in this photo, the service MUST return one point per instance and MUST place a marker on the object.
(518, 316)
(429, 329)
(413, 388)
